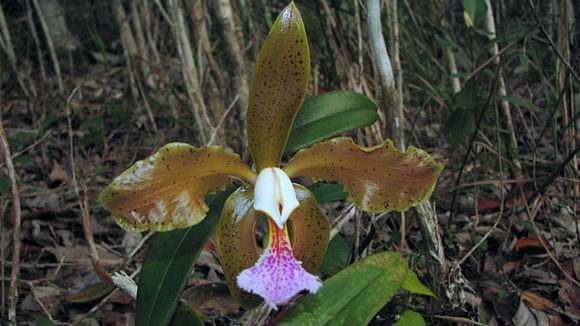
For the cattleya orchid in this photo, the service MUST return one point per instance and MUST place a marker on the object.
(167, 190)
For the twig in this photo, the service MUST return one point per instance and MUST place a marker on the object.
(467, 152)
(341, 220)
(189, 71)
(555, 174)
(51, 48)
(552, 45)
(8, 47)
(489, 22)
(88, 230)
(15, 273)
(215, 129)
(537, 231)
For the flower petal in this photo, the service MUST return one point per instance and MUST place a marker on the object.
(274, 195)
(379, 178)
(236, 238)
(167, 190)
(279, 83)
(277, 276)
(309, 230)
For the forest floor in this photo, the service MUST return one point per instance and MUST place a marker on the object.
(509, 224)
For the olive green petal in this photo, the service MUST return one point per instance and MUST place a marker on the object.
(278, 87)
(167, 190)
(378, 179)
(310, 231)
(235, 240)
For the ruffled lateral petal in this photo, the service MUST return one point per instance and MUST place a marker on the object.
(379, 178)
(309, 230)
(278, 87)
(235, 240)
(277, 276)
(167, 190)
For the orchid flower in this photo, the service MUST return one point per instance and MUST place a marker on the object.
(167, 190)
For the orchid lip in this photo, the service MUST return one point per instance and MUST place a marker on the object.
(277, 276)
(274, 195)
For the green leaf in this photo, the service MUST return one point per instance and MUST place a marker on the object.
(168, 264)
(4, 186)
(42, 321)
(519, 101)
(459, 125)
(330, 192)
(413, 284)
(337, 256)
(352, 296)
(329, 114)
(474, 12)
(47, 121)
(186, 316)
(411, 318)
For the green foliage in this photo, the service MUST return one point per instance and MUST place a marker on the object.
(330, 114)
(337, 256)
(354, 295)
(412, 284)
(461, 122)
(474, 12)
(186, 316)
(168, 265)
(330, 192)
(410, 318)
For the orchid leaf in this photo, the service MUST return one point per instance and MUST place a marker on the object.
(379, 178)
(330, 114)
(413, 284)
(278, 87)
(336, 257)
(185, 315)
(330, 192)
(166, 191)
(168, 264)
(354, 295)
(411, 318)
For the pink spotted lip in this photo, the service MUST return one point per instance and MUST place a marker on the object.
(277, 276)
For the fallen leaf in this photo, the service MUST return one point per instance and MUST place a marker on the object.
(537, 302)
(528, 243)
(211, 296)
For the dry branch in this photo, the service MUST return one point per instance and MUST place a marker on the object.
(16, 245)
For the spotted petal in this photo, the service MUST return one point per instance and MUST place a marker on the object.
(236, 242)
(277, 276)
(167, 190)
(379, 178)
(278, 87)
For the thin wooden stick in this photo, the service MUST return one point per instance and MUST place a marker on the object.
(15, 273)
(51, 48)
(189, 71)
(8, 47)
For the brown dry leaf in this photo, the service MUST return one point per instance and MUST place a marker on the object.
(57, 174)
(211, 296)
(91, 292)
(537, 302)
(526, 316)
(528, 243)
(80, 254)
